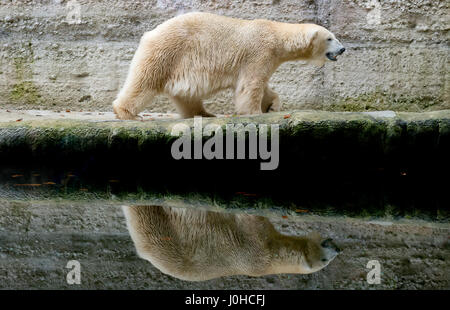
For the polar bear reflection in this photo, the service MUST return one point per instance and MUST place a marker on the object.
(198, 245)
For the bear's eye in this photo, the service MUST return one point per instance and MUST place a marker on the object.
(324, 259)
(329, 39)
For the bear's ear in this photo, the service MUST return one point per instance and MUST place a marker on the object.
(311, 34)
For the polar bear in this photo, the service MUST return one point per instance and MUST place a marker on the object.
(198, 245)
(192, 56)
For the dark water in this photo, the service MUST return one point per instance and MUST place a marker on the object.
(367, 191)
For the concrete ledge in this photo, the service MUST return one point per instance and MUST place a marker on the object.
(91, 128)
(386, 133)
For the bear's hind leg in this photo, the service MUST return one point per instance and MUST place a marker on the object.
(189, 107)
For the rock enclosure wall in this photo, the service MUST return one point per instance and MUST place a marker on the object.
(59, 54)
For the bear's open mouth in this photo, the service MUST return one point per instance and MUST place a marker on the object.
(331, 57)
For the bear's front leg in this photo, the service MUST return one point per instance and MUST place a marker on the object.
(248, 97)
(129, 103)
(270, 101)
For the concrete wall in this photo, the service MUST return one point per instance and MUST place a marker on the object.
(397, 52)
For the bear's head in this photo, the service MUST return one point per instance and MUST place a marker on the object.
(301, 254)
(320, 252)
(322, 44)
